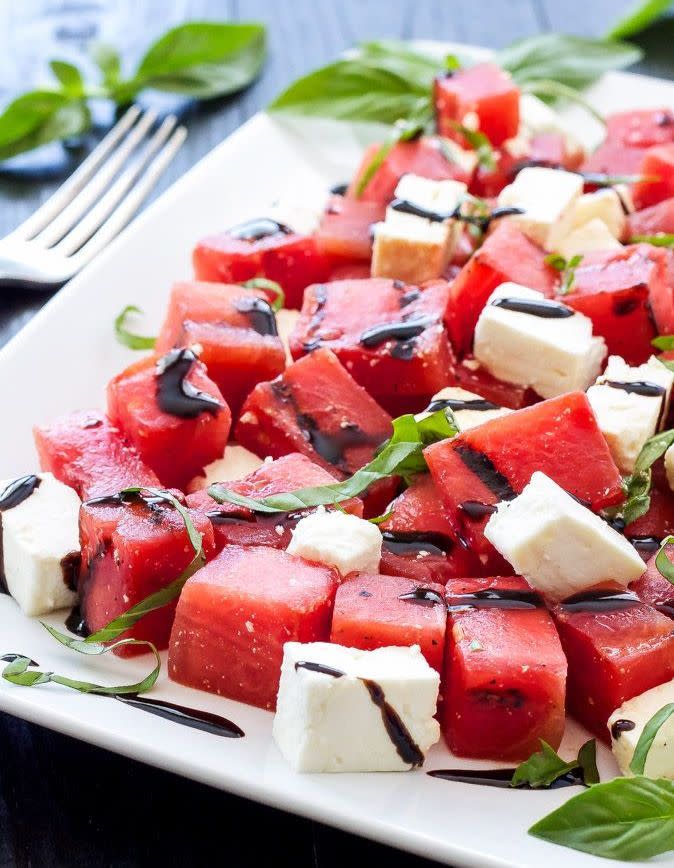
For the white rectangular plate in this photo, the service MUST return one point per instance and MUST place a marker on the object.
(62, 360)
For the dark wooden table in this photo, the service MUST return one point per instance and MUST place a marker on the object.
(64, 803)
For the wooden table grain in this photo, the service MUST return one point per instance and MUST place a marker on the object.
(64, 804)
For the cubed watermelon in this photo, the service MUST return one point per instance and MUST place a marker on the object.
(236, 614)
(505, 673)
(483, 96)
(658, 522)
(651, 220)
(85, 451)
(640, 128)
(613, 158)
(657, 170)
(345, 231)
(653, 588)
(376, 611)
(614, 653)
(390, 337)
(129, 551)
(235, 329)
(476, 379)
(172, 413)
(262, 248)
(506, 255)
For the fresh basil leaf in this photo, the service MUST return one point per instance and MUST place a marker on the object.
(638, 485)
(653, 448)
(38, 117)
(587, 760)
(662, 239)
(403, 131)
(278, 295)
(663, 342)
(108, 60)
(638, 19)
(202, 60)
(627, 818)
(69, 77)
(398, 58)
(568, 60)
(486, 156)
(567, 268)
(127, 338)
(648, 736)
(402, 455)
(662, 563)
(556, 261)
(542, 768)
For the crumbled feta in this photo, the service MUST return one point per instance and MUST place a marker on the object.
(339, 540)
(547, 197)
(236, 463)
(628, 419)
(330, 723)
(636, 713)
(604, 205)
(551, 355)
(591, 236)
(559, 546)
(459, 401)
(39, 536)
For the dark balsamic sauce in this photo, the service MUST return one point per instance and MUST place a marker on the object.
(484, 221)
(404, 350)
(483, 467)
(192, 717)
(407, 207)
(477, 510)
(10, 658)
(600, 601)
(457, 404)
(339, 189)
(76, 623)
(666, 608)
(320, 300)
(70, 569)
(408, 750)
(402, 542)
(638, 387)
(544, 308)
(620, 726)
(492, 598)
(259, 313)
(645, 545)
(255, 230)
(398, 331)
(501, 778)
(12, 495)
(423, 597)
(625, 306)
(175, 394)
(409, 297)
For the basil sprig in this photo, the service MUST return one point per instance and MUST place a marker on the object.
(663, 342)
(647, 737)
(128, 338)
(199, 59)
(627, 818)
(21, 670)
(567, 268)
(545, 766)
(638, 485)
(662, 563)
(402, 455)
(662, 239)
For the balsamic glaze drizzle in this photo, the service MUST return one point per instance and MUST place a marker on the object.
(600, 601)
(399, 331)
(476, 510)
(423, 597)
(70, 569)
(483, 467)
(402, 542)
(175, 394)
(320, 300)
(501, 778)
(339, 189)
(321, 668)
(192, 717)
(543, 308)
(493, 598)
(76, 623)
(10, 658)
(255, 230)
(407, 207)
(457, 404)
(13, 494)
(638, 387)
(645, 545)
(620, 726)
(259, 313)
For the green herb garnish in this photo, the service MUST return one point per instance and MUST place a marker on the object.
(662, 239)
(638, 485)
(662, 563)
(402, 131)
(567, 268)
(20, 670)
(200, 60)
(627, 818)
(128, 338)
(486, 157)
(402, 455)
(266, 285)
(545, 766)
(647, 737)
(664, 342)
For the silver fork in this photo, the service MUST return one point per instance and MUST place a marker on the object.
(94, 204)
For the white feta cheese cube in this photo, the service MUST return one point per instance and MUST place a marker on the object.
(469, 408)
(339, 540)
(341, 712)
(543, 344)
(236, 463)
(559, 546)
(41, 546)
(627, 723)
(669, 466)
(631, 404)
(605, 205)
(547, 197)
(301, 211)
(591, 236)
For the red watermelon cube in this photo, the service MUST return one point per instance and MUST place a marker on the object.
(640, 128)
(476, 379)
(173, 414)
(613, 654)
(376, 611)
(655, 219)
(235, 329)
(262, 248)
(483, 94)
(390, 337)
(505, 673)
(345, 231)
(653, 588)
(236, 614)
(85, 451)
(657, 170)
(129, 551)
